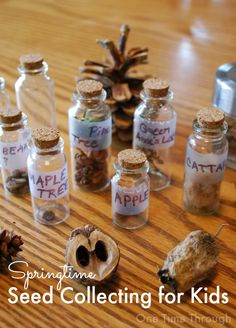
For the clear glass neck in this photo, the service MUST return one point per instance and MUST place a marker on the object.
(156, 101)
(48, 151)
(41, 70)
(200, 131)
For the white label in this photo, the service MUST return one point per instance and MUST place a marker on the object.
(130, 201)
(90, 135)
(154, 134)
(50, 185)
(13, 155)
(205, 167)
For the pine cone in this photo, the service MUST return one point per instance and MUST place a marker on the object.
(9, 245)
(122, 84)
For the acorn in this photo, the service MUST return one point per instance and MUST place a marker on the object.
(191, 261)
(90, 250)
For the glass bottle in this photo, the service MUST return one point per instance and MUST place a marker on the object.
(224, 97)
(206, 157)
(130, 189)
(154, 130)
(90, 129)
(48, 177)
(14, 139)
(35, 91)
(4, 97)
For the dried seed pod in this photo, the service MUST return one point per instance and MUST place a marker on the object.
(190, 261)
(91, 250)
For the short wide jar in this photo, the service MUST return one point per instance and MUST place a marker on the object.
(130, 190)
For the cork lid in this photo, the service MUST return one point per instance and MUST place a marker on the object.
(45, 137)
(131, 158)
(89, 88)
(31, 61)
(210, 117)
(10, 116)
(156, 87)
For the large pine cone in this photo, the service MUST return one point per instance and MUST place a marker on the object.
(122, 84)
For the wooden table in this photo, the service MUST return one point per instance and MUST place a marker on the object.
(188, 40)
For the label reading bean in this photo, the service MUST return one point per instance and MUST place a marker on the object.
(13, 155)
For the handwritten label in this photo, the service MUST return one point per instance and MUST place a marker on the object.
(90, 135)
(154, 134)
(205, 167)
(13, 155)
(130, 201)
(50, 185)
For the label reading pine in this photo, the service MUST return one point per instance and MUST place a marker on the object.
(90, 135)
(154, 134)
(130, 201)
(202, 165)
(50, 185)
(13, 155)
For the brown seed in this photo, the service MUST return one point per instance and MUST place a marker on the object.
(49, 216)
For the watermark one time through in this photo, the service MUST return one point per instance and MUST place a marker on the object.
(191, 318)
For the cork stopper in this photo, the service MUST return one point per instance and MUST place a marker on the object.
(10, 116)
(156, 87)
(31, 61)
(45, 137)
(89, 88)
(131, 158)
(210, 117)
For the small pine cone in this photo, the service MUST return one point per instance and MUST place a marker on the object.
(9, 245)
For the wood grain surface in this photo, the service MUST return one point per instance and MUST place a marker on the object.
(188, 40)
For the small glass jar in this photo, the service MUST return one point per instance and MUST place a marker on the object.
(48, 177)
(206, 157)
(90, 129)
(14, 138)
(35, 91)
(154, 130)
(130, 190)
(4, 97)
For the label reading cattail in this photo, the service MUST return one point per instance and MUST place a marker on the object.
(201, 165)
(90, 135)
(49, 185)
(130, 201)
(13, 155)
(154, 134)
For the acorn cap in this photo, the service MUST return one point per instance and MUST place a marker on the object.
(131, 158)
(46, 137)
(10, 116)
(156, 87)
(31, 61)
(210, 117)
(89, 88)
